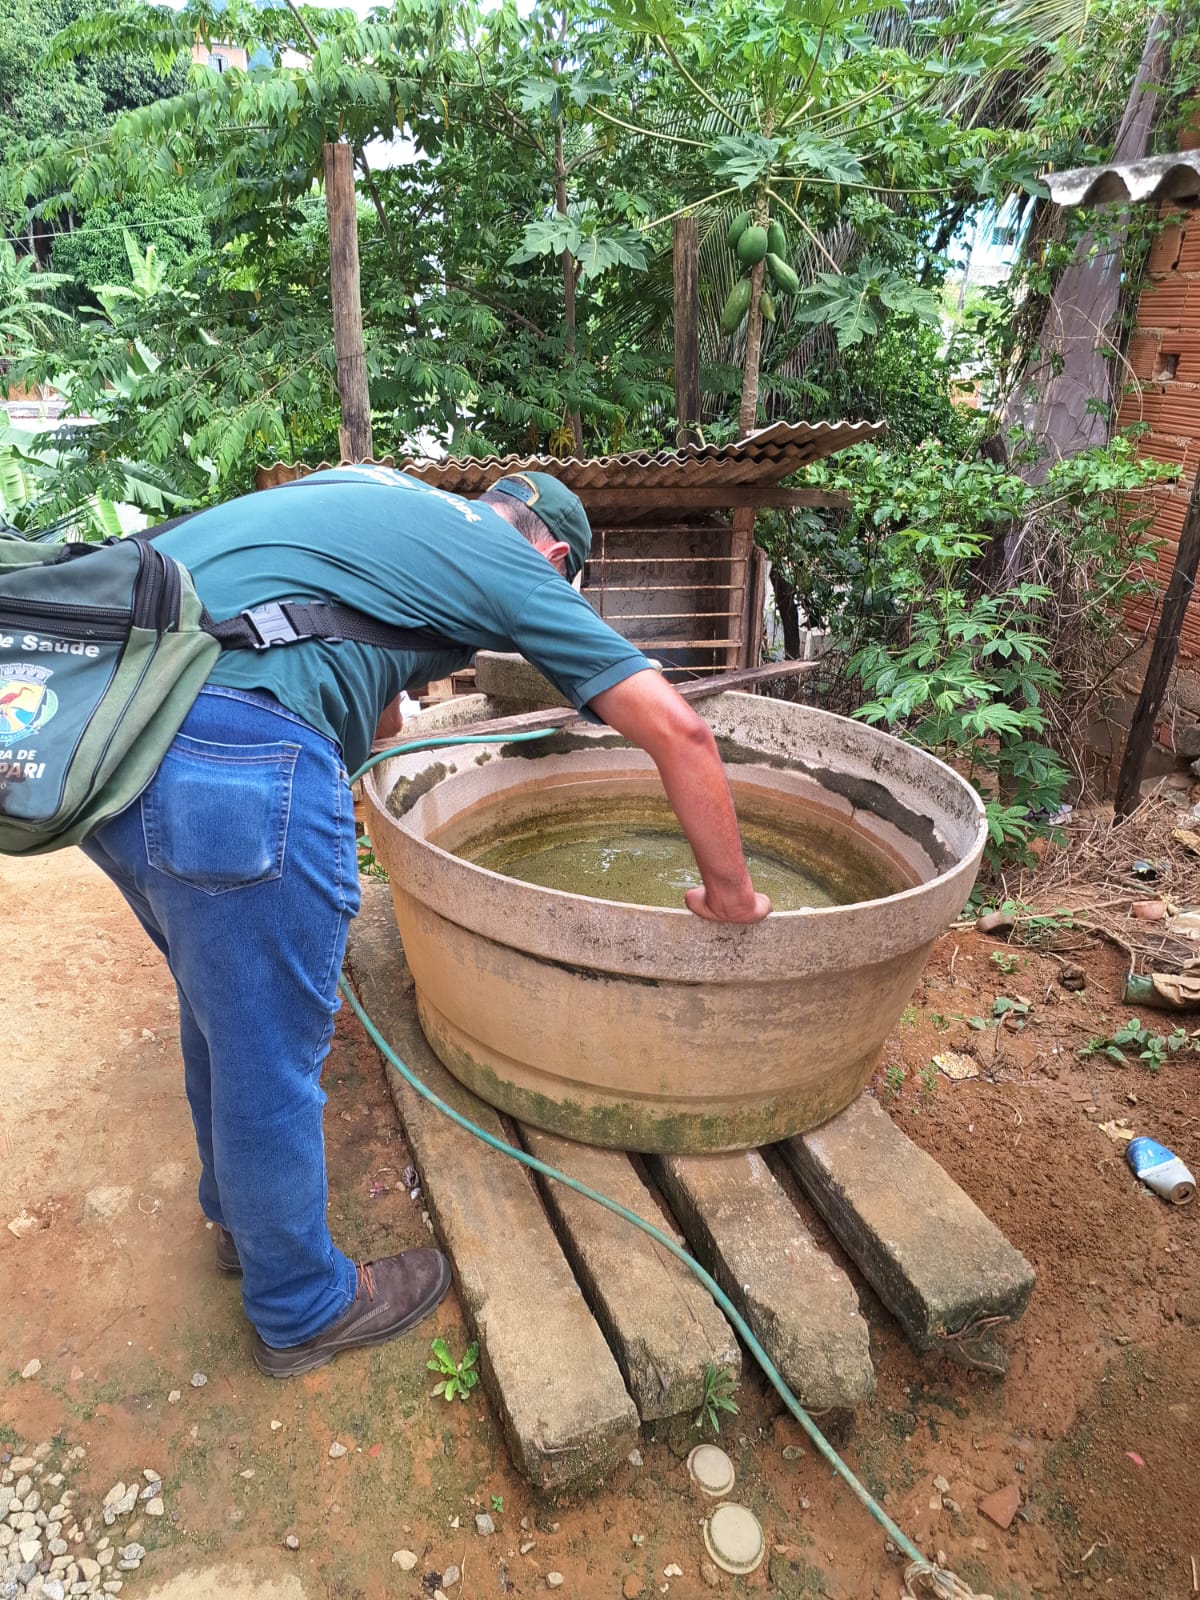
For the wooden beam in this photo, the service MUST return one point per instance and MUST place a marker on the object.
(354, 435)
(699, 689)
(635, 503)
(687, 331)
(1162, 657)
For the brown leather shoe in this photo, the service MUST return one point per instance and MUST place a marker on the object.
(393, 1296)
(228, 1259)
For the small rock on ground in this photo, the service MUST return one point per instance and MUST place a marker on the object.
(554, 1580)
(484, 1526)
(632, 1587)
(404, 1559)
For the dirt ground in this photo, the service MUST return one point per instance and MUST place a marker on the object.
(107, 1280)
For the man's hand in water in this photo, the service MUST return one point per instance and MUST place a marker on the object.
(647, 710)
(749, 909)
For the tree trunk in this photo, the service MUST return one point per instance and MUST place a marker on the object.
(354, 435)
(751, 369)
(1053, 406)
(568, 270)
(687, 331)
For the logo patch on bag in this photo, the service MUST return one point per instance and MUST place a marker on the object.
(26, 703)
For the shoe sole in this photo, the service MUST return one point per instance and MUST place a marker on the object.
(282, 1367)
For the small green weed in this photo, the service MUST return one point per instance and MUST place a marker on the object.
(1017, 1011)
(1152, 1048)
(893, 1082)
(1004, 963)
(928, 1074)
(368, 866)
(1036, 927)
(720, 1385)
(458, 1377)
(498, 1504)
(940, 1020)
(909, 1016)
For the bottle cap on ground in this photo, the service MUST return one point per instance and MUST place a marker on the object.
(733, 1537)
(711, 1470)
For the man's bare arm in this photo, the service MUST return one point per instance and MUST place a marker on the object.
(646, 710)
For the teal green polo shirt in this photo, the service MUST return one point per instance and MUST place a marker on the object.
(402, 552)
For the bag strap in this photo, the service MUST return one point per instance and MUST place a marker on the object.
(291, 622)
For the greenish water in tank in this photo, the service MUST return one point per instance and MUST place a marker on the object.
(631, 848)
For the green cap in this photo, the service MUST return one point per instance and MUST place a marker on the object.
(560, 509)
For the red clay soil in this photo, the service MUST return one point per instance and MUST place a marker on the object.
(108, 1281)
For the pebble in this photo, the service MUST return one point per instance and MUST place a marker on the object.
(525, 1546)
(554, 1580)
(941, 1485)
(134, 1552)
(175, 1396)
(404, 1559)
(673, 1571)
(53, 1589)
(291, 1542)
(484, 1526)
(198, 1380)
(792, 1452)
(634, 1458)
(31, 1368)
(450, 1577)
(632, 1586)
(155, 1507)
(710, 1575)
(336, 1451)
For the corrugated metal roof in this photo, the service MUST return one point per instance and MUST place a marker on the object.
(1168, 177)
(764, 458)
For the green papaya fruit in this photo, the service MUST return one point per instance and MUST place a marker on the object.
(766, 306)
(776, 239)
(736, 306)
(737, 228)
(752, 246)
(783, 274)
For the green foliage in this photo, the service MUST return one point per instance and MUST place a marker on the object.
(1152, 1048)
(458, 1377)
(858, 304)
(992, 677)
(893, 1082)
(720, 1386)
(93, 253)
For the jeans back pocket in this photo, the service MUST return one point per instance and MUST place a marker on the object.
(216, 815)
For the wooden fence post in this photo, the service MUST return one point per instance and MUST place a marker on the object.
(1162, 657)
(687, 331)
(354, 435)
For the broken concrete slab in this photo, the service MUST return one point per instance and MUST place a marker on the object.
(545, 1364)
(800, 1304)
(661, 1323)
(937, 1263)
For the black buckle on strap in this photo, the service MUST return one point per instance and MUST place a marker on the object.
(271, 625)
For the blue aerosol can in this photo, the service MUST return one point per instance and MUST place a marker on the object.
(1161, 1169)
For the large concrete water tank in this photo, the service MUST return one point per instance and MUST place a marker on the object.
(646, 1029)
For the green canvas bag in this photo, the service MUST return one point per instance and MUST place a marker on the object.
(103, 649)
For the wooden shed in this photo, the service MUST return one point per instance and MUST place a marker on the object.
(673, 566)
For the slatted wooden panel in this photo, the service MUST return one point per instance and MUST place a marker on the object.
(677, 591)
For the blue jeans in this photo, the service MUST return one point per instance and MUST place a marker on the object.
(239, 861)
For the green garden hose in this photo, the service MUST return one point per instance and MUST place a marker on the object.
(938, 1580)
